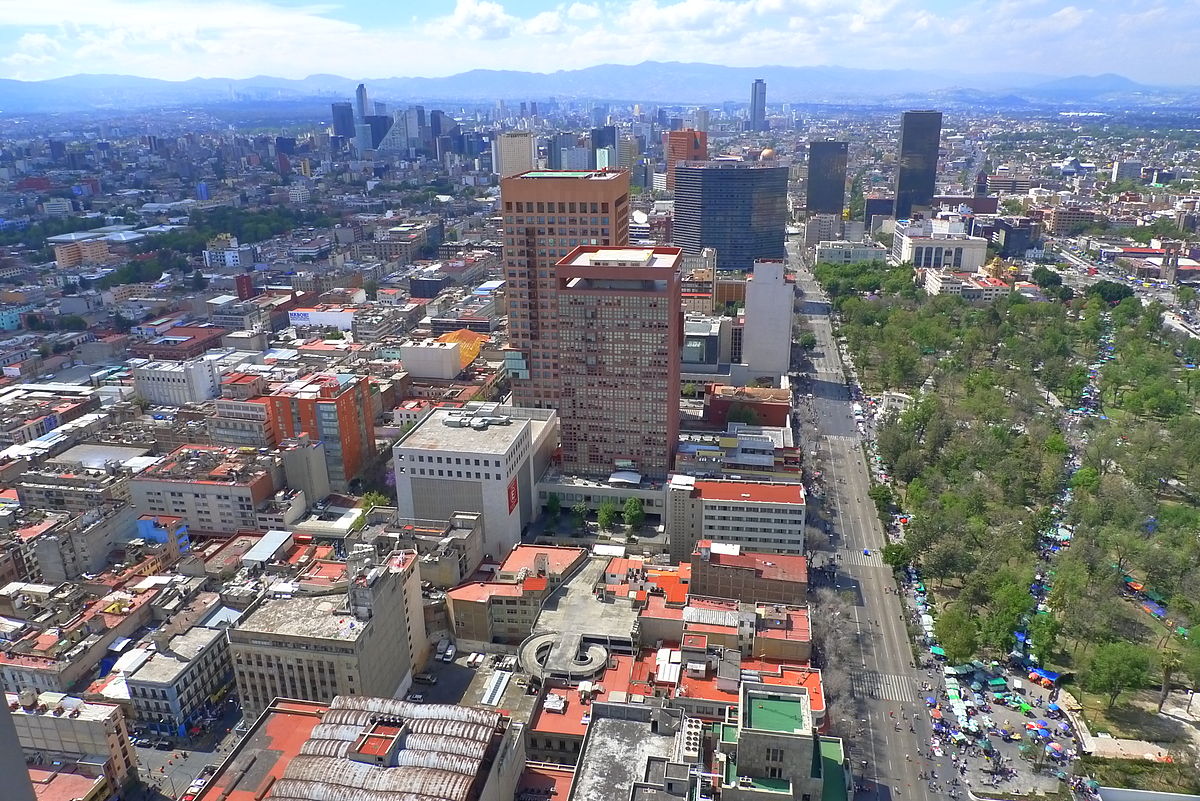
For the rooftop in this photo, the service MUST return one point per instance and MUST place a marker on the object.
(778, 713)
(526, 557)
(166, 666)
(315, 617)
(288, 754)
(443, 430)
(615, 757)
(775, 567)
(593, 175)
(77, 708)
(750, 492)
(59, 785)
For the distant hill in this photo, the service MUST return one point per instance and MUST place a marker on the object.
(653, 82)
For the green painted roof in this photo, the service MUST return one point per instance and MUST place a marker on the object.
(776, 714)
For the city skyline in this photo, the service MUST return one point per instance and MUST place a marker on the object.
(183, 39)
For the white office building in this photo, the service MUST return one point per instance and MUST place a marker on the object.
(176, 383)
(842, 252)
(513, 153)
(938, 244)
(758, 515)
(484, 458)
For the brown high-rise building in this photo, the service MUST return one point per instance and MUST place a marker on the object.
(618, 349)
(685, 145)
(548, 213)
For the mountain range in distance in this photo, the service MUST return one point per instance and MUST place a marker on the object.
(650, 82)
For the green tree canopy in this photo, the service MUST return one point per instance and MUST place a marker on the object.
(1117, 667)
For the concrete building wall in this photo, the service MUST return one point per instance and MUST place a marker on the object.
(767, 335)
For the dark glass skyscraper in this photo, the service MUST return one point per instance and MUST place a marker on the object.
(343, 120)
(916, 172)
(737, 207)
(826, 177)
(758, 105)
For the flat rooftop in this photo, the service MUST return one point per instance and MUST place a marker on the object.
(435, 434)
(616, 756)
(165, 666)
(751, 492)
(651, 257)
(573, 607)
(96, 456)
(595, 175)
(779, 713)
(321, 617)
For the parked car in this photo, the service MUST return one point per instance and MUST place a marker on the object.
(425, 678)
(416, 698)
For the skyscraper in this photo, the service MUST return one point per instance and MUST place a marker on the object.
(379, 124)
(343, 119)
(737, 207)
(513, 153)
(685, 145)
(758, 105)
(588, 208)
(916, 171)
(826, 177)
(361, 109)
(618, 340)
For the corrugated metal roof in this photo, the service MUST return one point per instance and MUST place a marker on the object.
(441, 744)
(442, 751)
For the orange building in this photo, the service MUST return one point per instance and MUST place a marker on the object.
(334, 409)
(547, 214)
(685, 145)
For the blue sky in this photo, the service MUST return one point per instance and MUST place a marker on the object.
(1148, 40)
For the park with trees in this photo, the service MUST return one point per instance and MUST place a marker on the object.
(980, 459)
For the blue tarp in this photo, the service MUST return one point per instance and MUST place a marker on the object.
(1048, 675)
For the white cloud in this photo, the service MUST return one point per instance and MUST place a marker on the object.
(477, 20)
(582, 11)
(237, 38)
(547, 23)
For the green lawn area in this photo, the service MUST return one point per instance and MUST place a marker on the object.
(1133, 717)
(1137, 774)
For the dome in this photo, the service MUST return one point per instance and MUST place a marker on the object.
(768, 153)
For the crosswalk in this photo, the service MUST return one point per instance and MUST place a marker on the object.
(860, 559)
(887, 686)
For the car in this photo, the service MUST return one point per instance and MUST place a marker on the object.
(451, 651)
(416, 698)
(425, 678)
(143, 742)
(163, 745)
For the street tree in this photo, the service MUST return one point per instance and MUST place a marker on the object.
(553, 505)
(606, 517)
(580, 511)
(634, 513)
(1115, 668)
(956, 632)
